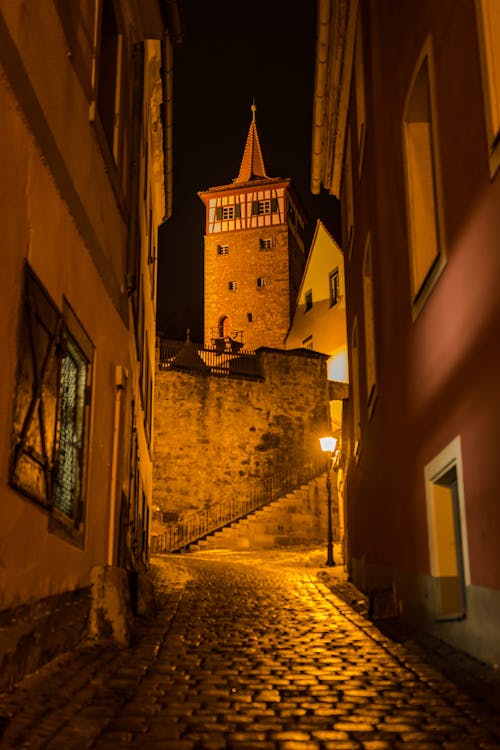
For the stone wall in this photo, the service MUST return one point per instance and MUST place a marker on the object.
(215, 435)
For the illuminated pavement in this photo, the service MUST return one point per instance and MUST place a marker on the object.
(249, 652)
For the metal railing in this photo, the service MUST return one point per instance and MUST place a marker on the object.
(199, 524)
(206, 360)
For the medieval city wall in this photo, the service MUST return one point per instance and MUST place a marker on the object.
(215, 435)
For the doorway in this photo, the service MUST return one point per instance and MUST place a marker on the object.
(446, 520)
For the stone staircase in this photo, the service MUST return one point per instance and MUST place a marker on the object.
(297, 518)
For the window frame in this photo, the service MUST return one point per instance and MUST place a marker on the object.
(334, 287)
(420, 295)
(44, 334)
(369, 327)
(232, 286)
(360, 93)
(112, 153)
(490, 73)
(308, 300)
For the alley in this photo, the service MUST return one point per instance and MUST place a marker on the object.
(245, 654)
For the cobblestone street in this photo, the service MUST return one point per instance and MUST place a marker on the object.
(247, 652)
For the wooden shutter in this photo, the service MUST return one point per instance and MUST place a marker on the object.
(33, 469)
(237, 210)
(218, 213)
(255, 208)
(274, 205)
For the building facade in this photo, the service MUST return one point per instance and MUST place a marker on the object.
(406, 133)
(318, 321)
(85, 159)
(254, 255)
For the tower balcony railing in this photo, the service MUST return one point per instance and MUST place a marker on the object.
(189, 356)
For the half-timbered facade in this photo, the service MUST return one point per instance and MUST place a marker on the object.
(254, 254)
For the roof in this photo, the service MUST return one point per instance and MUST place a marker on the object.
(252, 164)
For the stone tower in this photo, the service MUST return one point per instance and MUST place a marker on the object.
(254, 255)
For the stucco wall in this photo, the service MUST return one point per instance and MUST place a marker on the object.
(214, 435)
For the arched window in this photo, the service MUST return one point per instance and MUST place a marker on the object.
(224, 326)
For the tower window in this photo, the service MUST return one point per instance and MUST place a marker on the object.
(267, 206)
(233, 286)
(222, 249)
(309, 300)
(261, 281)
(266, 243)
(250, 317)
(224, 213)
(334, 286)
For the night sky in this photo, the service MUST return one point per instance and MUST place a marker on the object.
(232, 53)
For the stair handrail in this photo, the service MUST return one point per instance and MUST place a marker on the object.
(235, 506)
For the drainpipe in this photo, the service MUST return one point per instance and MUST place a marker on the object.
(120, 382)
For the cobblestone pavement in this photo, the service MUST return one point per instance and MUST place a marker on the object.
(246, 653)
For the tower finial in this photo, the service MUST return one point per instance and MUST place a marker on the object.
(254, 109)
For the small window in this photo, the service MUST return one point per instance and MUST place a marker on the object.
(233, 286)
(265, 243)
(222, 249)
(309, 300)
(261, 282)
(334, 287)
(267, 206)
(225, 213)
(250, 317)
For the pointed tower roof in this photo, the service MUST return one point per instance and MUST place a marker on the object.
(252, 164)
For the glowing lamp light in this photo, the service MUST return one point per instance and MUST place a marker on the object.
(328, 444)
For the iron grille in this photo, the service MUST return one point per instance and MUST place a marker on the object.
(71, 413)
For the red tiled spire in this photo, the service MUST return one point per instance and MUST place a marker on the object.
(252, 164)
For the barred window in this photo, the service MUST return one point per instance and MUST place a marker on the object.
(266, 243)
(222, 249)
(233, 286)
(51, 408)
(73, 381)
(261, 282)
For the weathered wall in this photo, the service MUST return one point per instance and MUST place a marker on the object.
(300, 518)
(214, 435)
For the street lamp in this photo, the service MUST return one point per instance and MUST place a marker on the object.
(328, 445)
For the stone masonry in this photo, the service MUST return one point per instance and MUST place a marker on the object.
(214, 436)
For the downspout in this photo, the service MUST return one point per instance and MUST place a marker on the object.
(120, 381)
(319, 102)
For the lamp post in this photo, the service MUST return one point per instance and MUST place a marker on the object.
(328, 445)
